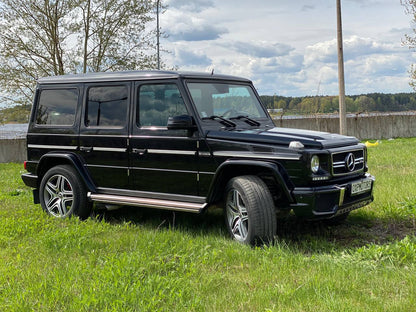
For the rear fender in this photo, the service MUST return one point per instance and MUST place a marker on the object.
(50, 160)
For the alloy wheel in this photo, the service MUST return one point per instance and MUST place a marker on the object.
(58, 196)
(237, 216)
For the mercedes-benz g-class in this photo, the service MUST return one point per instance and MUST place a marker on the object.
(185, 141)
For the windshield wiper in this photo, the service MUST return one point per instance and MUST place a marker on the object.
(248, 120)
(226, 122)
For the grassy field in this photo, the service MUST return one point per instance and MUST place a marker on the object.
(146, 260)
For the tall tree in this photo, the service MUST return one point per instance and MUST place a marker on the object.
(114, 35)
(410, 39)
(54, 37)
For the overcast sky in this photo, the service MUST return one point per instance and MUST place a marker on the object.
(289, 47)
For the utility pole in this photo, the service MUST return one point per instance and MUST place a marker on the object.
(158, 34)
(341, 80)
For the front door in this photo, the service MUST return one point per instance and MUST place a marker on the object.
(162, 161)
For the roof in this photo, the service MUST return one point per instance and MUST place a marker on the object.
(134, 75)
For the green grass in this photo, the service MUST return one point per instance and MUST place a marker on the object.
(147, 260)
(393, 163)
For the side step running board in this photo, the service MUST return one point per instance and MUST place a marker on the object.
(147, 202)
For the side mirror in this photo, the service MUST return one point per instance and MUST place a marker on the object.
(182, 122)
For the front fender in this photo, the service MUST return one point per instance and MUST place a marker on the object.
(232, 168)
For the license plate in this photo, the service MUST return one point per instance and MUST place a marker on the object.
(360, 187)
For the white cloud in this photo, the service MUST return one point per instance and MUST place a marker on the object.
(290, 47)
(191, 6)
(383, 65)
(260, 49)
(321, 52)
(184, 57)
(194, 32)
(189, 27)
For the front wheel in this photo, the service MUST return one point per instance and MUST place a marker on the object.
(63, 194)
(249, 210)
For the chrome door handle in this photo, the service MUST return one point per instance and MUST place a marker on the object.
(86, 149)
(139, 151)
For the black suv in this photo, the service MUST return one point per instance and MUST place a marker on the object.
(185, 141)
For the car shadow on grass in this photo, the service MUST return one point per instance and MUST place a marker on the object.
(198, 224)
(358, 230)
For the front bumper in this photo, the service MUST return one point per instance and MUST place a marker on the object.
(325, 202)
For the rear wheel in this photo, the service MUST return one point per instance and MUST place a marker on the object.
(249, 210)
(63, 193)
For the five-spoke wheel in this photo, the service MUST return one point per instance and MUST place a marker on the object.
(58, 195)
(249, 210)
(237, 216)
(63, 193)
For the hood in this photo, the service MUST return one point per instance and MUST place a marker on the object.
(283, 136)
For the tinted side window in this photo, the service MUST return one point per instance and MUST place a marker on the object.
(106, 106)
(57, 107)
(158, 102)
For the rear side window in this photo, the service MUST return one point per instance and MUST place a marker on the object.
(107, 106)
(57, 107)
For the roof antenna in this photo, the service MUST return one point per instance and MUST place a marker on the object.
(212, 72)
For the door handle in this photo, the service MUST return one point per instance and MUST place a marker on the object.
(86, 149)
(139, 151)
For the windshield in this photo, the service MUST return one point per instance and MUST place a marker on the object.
(225, 100)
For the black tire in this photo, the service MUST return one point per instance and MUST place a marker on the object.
(249, 210)
(63, 194)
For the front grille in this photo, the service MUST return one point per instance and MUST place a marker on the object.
(348, 162)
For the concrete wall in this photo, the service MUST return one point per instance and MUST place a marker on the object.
(12, 150)
(386, 126)
(363, 127)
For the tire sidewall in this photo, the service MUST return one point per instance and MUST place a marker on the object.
(234, 184)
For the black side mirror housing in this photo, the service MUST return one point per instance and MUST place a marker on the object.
(182, 122)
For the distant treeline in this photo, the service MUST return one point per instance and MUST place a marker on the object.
(373, 102)
(15, 114)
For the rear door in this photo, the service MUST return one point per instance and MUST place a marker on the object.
(104, 133)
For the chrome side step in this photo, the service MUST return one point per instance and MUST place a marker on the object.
(147, 202)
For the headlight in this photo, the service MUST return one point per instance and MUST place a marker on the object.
(315, 164)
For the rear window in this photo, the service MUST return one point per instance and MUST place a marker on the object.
(57, 107)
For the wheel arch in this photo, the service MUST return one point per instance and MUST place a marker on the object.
(50, 160)
(233, 168)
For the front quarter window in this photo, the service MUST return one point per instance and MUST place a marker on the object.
(225, 100)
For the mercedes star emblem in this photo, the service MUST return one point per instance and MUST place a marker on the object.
(350, 162)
